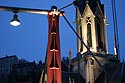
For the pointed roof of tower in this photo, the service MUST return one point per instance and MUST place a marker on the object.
(92, 3)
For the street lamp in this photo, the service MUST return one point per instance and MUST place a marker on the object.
(15, 21)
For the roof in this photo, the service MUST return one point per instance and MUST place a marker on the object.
(110, 57)
(92, 3)
(6, 57)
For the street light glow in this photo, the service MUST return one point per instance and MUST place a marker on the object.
(15, 21)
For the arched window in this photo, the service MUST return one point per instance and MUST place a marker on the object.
(99, 33)
(89, 32)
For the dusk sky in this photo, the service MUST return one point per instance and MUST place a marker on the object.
(29, 40)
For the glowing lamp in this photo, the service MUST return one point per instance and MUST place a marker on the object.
(15, 21)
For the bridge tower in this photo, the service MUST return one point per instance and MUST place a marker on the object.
(53, 50)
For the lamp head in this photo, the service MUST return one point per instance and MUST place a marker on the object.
(15, 21)
(53, 8)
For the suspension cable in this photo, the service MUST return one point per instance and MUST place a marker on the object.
(74, 2)
(77, 34)
(66, 6)
(116, 38)
(88, 49)
(117, 31)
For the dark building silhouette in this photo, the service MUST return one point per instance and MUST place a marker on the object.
(28, 72)
(6, 64)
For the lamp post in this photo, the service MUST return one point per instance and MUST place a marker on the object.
(53, 49)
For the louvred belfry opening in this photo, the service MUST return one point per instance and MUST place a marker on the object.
(53, 50)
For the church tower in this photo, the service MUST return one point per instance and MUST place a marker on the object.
(91, 25)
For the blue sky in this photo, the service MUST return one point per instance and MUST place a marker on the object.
(29, 40)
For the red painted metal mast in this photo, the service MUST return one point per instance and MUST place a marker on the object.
(54, 74)
(53, 50)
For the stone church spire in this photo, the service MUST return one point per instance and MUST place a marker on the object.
(91, 25)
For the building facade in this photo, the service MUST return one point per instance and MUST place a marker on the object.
(28, 72)
(6, 64)
(13, 70)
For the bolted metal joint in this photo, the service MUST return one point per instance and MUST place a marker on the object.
(54, 11)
